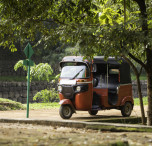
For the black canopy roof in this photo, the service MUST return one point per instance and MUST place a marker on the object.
(110, 60)
(120, 63)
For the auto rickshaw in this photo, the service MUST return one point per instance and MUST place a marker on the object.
(94, 85)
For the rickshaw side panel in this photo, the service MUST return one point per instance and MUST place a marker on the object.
(83, 100)
(104, 96)
(125, 94)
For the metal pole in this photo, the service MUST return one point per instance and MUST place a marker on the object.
(28, 91)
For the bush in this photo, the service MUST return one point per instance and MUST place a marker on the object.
(47, 95)
(42, 71)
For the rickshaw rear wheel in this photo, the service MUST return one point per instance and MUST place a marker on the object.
(93, 112)
(126, 109)
(65, 111)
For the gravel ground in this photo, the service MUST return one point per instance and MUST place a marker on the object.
(36, 135)
(53, 114)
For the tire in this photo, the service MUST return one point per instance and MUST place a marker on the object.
(126, 109)
(65, 111)
(93, 112)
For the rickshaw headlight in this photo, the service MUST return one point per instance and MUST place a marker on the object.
(59, 88)
(78, 89)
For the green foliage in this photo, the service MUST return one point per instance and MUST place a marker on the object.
(47, 95)
(137, 102)
(19, 64)
(55, 80)
(42, 71)
(97, 26)
(6, 104)
(142, 77)
(110, 16)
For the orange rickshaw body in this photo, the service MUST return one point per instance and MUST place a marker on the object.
(94, 85)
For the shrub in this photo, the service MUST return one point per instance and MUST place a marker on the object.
(47, 95)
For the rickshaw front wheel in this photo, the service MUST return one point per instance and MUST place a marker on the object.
(65, 111)
(126, 109)
(93, 112)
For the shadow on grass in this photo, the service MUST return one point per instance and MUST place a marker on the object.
(110, 119)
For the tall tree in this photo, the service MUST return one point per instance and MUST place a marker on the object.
(137, 73)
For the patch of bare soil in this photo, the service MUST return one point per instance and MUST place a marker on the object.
(53, 114)
(36, 135)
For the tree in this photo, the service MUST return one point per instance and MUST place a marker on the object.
(137, 73)
(135, 42)
(97, 26)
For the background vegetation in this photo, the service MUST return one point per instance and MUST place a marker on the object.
(6, 104)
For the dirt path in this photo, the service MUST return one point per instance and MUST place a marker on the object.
(53, 114)
(27, 134)
(33, 135)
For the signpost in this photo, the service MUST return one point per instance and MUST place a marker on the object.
(28, 62)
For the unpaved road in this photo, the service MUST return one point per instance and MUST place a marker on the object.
(36, 135)
(53, 114)
(14, 134)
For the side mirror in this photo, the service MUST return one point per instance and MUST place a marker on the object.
(95, 82)
(94, 68)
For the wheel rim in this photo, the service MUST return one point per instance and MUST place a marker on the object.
(128, 109)
(67, 111)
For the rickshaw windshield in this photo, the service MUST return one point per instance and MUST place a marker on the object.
(73, 72)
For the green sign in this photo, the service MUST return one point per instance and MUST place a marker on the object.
(28, 62)
(28, 51)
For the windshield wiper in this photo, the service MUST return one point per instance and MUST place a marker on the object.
(77, 74)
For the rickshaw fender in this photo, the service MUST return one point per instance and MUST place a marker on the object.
(67, 102)
(127, 99)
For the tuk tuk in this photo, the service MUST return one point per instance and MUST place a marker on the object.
(94, 85)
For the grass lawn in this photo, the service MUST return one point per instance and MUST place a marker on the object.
(6, 104)
(142, 77)
(137, 102)
(56, 104)
(44, 105)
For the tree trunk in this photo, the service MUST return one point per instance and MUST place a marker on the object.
(143, 10)
(141, 101)
(143, 119)
(149, 86)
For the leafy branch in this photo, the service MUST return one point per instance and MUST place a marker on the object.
(42, 71)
